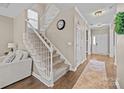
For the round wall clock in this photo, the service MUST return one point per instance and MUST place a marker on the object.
(61, 24)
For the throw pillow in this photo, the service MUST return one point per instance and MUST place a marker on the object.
(9, 58)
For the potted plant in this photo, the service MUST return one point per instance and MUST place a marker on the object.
(119, 23)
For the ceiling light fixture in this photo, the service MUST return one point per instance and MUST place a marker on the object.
(99, 12)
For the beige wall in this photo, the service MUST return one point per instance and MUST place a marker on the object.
(61, 38)
(120, 53)
(68, 35)
(19, 29)
(19, 25)
(6, 33)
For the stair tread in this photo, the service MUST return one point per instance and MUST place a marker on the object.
(55, 55)
(58, 61)
(42, 53)
(59, 66)
(59, 69)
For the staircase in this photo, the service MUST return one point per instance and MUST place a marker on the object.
(47, 58)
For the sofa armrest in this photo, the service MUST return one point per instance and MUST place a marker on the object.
(13, 72)
(12, 63)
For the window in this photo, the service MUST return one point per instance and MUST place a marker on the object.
(94, 40)
(33, 18)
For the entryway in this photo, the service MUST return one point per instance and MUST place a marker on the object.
(100, 40)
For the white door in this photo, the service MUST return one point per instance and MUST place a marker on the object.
(78, 45)
(100, 44)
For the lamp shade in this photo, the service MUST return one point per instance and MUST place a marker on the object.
(11, 45)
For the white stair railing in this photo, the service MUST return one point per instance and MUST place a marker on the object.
(42, 19)
(37, 33)
(44, 65)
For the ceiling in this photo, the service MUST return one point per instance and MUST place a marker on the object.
(13, 9)
(86, 9)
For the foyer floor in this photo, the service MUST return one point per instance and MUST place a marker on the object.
(70, 79)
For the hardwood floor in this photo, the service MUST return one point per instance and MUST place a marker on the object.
(70, 78)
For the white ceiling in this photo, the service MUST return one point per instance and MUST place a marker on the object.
(87, 9)
(106, 18)
(13, 9)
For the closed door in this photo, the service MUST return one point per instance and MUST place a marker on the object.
(100, 44)
(87, 42)
(78, 45)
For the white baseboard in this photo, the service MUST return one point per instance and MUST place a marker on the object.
(42, 80)
(36, 75)
(83, 60)
(74, 69)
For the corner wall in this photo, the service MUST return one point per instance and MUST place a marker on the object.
(6, 33)
(120, 53)
(19, 29)
(62, 38)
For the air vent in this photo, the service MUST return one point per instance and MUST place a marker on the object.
(4, 5)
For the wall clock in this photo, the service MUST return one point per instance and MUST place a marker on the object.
(61, 24)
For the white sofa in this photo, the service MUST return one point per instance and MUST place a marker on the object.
(14, 71)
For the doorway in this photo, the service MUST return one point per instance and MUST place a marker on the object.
(100, 40)
(87, 43)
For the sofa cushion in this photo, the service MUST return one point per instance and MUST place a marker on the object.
(9, 58)
(25, 55)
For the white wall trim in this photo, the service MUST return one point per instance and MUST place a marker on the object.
(72, 68)
(86, 26)
(42, 80)
(84, 60)
(36, 75)
(78, 11)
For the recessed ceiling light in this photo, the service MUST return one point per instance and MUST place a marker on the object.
(99, 12)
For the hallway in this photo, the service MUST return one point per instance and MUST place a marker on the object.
(99, 73)
(70, 79)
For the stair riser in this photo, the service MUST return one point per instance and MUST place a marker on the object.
(56, 58)
(54, 52)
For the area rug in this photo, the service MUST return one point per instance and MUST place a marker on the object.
(94, 76)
